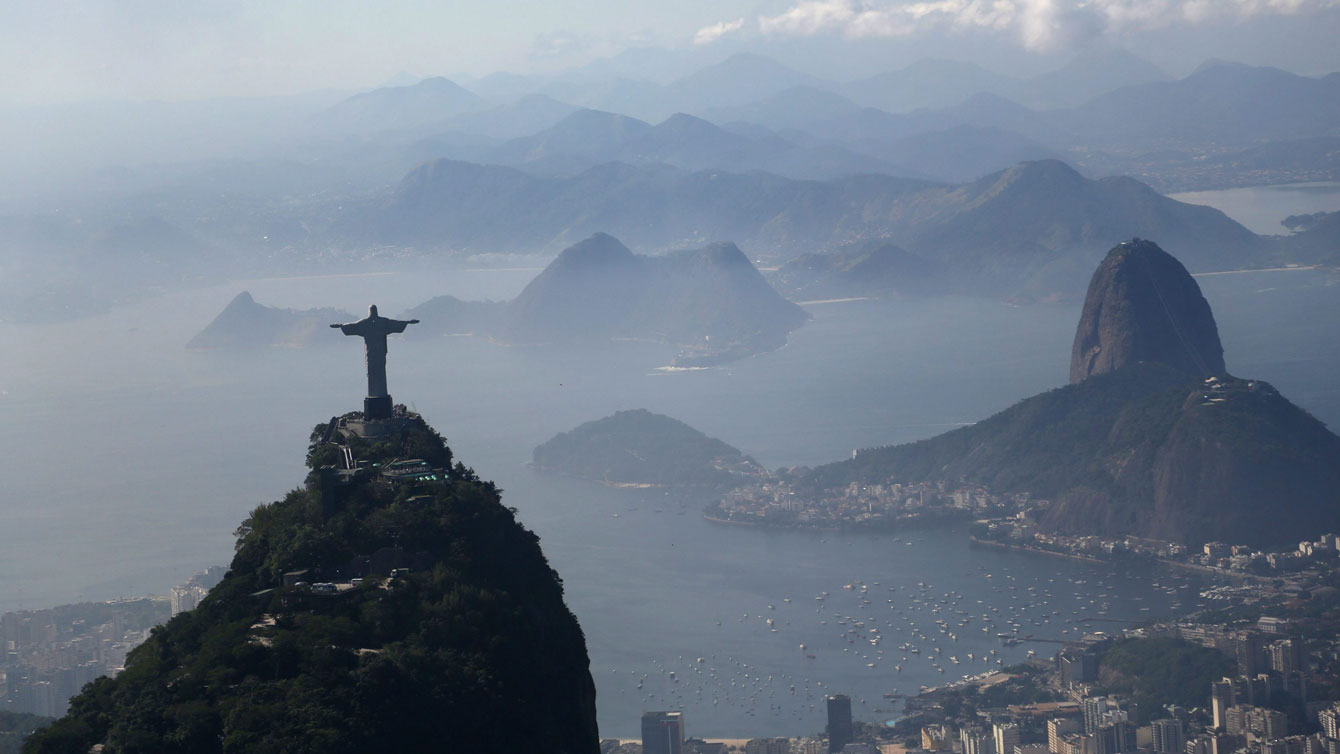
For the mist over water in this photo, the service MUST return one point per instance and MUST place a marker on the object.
(130, 460)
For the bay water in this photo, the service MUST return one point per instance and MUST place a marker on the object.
(129, 461)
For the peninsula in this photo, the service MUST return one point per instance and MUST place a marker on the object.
(244, 323)
(1152, 440)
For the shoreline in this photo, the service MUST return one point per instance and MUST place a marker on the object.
(1202, 570)
(1247, 270)
(896, 527)
(622, 485)
(976, 542)
(757, 525)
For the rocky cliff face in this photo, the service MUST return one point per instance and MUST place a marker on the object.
(1143, 306)
(399, 608)
(1229, 460)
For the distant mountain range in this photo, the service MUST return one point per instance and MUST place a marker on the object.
(942, 120)
(870, 268)
(1036, 227)
(781, 162)
(429, 101)
(448, 315)
(1227, 103)
(596, 290)
(247, 324)
(1154, 444)
(941, 83)
(710, 301)
(584, 138)
(742, 79)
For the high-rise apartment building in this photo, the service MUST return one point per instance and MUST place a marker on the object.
(1056, 730)
(663, 732)
(1004, 737)
(1169, 736)
(976, 741)
(839, 722)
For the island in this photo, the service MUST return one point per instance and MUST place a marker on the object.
(641, 449)
(711, 302)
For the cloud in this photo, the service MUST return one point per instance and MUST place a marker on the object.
(1036, 24)
(710, 34)
(558, 44)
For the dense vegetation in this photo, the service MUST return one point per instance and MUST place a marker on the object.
(1159, 672)
(1044, 444)
(1142, 450)
(144, 611)
(16, 726)
(643, 448)
(475, 652)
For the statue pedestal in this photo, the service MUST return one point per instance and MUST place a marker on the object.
(378, 407)
(374, 429)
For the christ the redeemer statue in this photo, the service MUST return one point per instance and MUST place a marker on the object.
(373, 329)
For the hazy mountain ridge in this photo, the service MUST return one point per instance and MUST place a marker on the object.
(591, 137)
(711, 299)
(429, 101)
(1121, 115)
(598, 289)
(1144, 449)
(288, 189)
(935, 83)
(871, 268)
(244, 323)
(448, 315)
(1037, 226)
(465, 206)
(1045, 218)
(1230, 103)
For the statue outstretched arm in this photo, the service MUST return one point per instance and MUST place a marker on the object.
(399, 325)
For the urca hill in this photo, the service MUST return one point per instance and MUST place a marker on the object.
(389, 605)
(641, 448)
(1151, 438)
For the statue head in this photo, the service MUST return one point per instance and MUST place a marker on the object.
(372, 310)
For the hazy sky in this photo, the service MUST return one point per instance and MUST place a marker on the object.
(169, 49)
